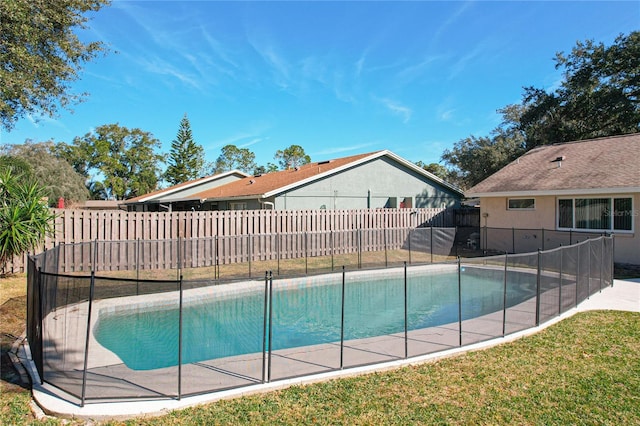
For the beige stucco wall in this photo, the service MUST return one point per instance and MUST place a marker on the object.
(500, 217)
(627, 245)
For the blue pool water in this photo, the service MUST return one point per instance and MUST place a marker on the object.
(305, 313)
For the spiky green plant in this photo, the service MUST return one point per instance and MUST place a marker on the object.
(25, 219)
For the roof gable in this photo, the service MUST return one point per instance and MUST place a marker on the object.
(611, 163)
(174, 191)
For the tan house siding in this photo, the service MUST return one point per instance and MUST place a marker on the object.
(501, 217)
(495, 214)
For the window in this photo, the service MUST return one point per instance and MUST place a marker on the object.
(592, 213)
(521, 204)
(237, 206)
(598, 214)
(565, 213)
(622, 214)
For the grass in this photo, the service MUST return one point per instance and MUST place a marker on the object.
(583, 370)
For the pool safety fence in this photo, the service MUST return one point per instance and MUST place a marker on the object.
(518, 240)
(245, 256)
(101, 338)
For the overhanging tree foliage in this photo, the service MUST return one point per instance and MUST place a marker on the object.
(599, 96)
(186, 158)
(41, 54)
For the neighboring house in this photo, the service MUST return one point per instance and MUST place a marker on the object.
(590, 185)
(374, 180)
(99, 205)
(181, 197)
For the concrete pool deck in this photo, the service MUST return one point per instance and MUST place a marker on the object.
(623, 295)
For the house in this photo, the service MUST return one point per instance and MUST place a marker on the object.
(181, 197)
(374, 180)
(591, 185)
(99, 205)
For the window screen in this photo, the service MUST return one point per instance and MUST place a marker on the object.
(521, 204)
(622, 214)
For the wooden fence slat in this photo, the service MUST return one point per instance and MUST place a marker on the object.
(77, 226)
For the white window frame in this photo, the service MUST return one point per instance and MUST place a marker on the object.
(521, 208)
(611, 199)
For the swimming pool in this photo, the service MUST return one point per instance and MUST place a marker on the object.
(305, 311)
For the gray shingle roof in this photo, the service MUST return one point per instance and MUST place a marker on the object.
(611, 163)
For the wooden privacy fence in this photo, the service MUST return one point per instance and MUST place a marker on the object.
(83, 226)
(136, 255)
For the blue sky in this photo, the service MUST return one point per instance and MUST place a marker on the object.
(337, 78)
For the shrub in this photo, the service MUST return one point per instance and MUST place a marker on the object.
(25, 219)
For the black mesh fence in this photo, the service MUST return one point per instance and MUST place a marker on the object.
(549, 284)
(34, 314)
(174, 321)
(521, 294)
(584, 271)
(514, 240)
(433, 296)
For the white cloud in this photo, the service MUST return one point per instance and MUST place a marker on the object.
(219, 50)
(277, 64)
(397, 109)
(414, 71)
(159, 66)
(241, 140)
(445, 111)
(252, 142)
(450, 21)
(337, 150)
(37, 120)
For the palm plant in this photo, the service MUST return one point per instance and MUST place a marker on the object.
(25, 219)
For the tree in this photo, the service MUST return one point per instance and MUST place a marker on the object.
(17, 165)
(53, 173)
(25, 220)
(234, 158)
(475, 159)
(434, 168)
(122, 160)
(97, 190)
(41, 54)
(599, 95)
(270, 167)
(292, 157)
(186, 158)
